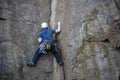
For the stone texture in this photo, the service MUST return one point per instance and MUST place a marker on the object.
(89, 40)
(18, 39)
(86, 23)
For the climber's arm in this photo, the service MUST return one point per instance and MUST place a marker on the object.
(58, 29)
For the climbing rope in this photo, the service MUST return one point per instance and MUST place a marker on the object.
(63, 69)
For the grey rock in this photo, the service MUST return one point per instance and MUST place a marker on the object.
(86, 48)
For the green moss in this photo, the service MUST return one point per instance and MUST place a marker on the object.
(80, 55)
(110, 60)
(30, 40)
(107, 54)
(118, 2)
(81, 58)
(86, 51)
(96, 68)
(95, 63)
(6, 76)
(30, 43)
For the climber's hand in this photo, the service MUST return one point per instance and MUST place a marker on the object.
(58, 29)
(58, 24)
(39, 40)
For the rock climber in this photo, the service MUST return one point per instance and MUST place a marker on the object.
(47, 44)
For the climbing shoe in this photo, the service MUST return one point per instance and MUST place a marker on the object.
(60, 62)
(30, 63)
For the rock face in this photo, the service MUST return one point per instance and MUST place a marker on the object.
(18, 39)
(89, 41)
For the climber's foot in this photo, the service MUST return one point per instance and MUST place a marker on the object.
(30, 63)
(60, 62)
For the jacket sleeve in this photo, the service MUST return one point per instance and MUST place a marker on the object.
(53, 31)
(39, 34)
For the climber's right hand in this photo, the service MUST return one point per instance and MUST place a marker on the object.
(58, 29)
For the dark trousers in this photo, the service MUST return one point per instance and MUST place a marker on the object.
(55, 52)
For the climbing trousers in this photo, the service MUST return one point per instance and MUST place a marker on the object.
(54, 50)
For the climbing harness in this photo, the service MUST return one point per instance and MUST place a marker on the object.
(46, 47)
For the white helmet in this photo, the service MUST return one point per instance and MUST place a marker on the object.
(44, 25)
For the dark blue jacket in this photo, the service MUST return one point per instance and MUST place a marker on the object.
(47, 34)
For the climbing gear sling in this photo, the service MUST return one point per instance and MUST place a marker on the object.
(46, 47)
